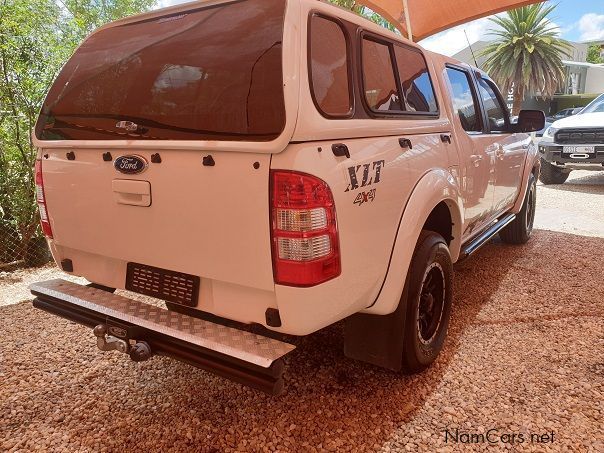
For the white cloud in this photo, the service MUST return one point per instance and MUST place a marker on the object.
(451, 41)
(591, 26)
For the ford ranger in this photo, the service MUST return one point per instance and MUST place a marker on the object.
(271, 167)
(573, 143)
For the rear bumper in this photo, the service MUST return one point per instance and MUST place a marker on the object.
(552, 153)
(235, 354)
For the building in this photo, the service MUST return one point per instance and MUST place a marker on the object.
(597, 42)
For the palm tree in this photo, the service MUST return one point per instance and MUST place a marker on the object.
(527, 53)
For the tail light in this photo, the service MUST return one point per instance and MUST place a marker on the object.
(41, 200)
(304, 229)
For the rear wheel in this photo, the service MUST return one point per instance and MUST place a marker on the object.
(550, 174)
(428, 294)
(520, 229)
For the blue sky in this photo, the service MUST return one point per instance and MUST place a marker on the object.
(578, 20)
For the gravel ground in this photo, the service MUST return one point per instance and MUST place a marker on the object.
(524, 356)
(577, 206)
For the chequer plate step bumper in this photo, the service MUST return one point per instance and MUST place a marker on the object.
(236, 354)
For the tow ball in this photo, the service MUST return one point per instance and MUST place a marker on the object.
(139, 351)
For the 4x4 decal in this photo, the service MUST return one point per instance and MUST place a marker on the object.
(353, 172)
(364, 197)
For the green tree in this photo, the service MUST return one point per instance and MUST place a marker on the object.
(36, 38)
(365, 12)
(594, 54)
(527, 53)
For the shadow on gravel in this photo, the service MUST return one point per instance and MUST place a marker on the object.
(330, 401)
(591, 184)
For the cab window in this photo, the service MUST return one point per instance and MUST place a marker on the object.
(381, 92)
(330, 80)
(463, 99)
(496, 113)
(416, 85)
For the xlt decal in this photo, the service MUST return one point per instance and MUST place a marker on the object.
(374, 168)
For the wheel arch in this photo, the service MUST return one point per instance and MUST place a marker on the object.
(436, 195)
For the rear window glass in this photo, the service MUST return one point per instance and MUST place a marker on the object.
(415, 80)
(378, 76)
(210, 73)
(329, 67)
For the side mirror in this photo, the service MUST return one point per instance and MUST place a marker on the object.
(530, 121)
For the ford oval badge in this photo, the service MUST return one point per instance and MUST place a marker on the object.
(130, 164)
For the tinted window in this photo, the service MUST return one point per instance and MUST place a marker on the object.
(329, 67)
(378, 75)
(415, 80)
(463, 100)
(210, 73)
(496, 113)
(597, 105)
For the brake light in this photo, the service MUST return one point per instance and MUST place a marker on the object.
(41, 200)
(304, 230)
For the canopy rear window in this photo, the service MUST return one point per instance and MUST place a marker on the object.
(213, 73)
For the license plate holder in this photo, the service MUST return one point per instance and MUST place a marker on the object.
(163, 284)
(579, 152)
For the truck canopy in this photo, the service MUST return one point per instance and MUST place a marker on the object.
(209, 73)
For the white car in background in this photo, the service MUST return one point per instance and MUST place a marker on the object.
(573, 143)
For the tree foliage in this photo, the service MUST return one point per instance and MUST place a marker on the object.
(36, 38)
(527, 52)
(365, 12)
(594, 54)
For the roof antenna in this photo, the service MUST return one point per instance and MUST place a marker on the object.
(471, 50)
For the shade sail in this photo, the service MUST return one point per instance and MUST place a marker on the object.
(428, 17)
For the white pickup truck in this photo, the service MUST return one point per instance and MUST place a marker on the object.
(279, 163)
(573, 143)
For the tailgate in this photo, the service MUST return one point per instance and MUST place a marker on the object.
(179, 214)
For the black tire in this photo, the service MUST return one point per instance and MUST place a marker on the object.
(427, 295)
(551, 174)
(520, 229)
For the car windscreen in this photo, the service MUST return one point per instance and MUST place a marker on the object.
(211, 73)
(597, 105)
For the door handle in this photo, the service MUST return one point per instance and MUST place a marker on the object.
(445, 138)
(405, 143)
(475, 159)
(131, 192)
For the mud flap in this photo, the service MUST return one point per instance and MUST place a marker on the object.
(377, 339)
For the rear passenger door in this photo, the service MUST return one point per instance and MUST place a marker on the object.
(476, 151)
(510, 148)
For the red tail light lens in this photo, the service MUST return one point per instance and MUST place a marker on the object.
(304, 230)
(41, 200)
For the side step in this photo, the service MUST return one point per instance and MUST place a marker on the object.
(235, 354)
(485, 236)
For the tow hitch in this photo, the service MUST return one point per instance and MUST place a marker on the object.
(143, 330)
(139, 351)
